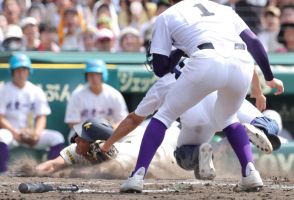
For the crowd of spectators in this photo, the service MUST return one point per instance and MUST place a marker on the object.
(122, 25)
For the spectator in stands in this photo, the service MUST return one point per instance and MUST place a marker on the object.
(3, 26)
(105, 16)
(70, 30)
(31, 33)
(105, 40)
(89, 38)
(249, 12)
(55, 11)
(282, 3)
(286, 37)
(37, 11)
(83, 9)
(91, 3)
(11, 11)
(13, 38)
(104, 21)
(95, 98)
(24, 6)
(48, 38)
(135, 13)
(130, 40)
(273, 3)
(287, 14)
(271, 24)
(23, 111)
(161, 6)
(147, 28)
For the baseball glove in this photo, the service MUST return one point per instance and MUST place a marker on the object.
(28, 136)
(98, 155)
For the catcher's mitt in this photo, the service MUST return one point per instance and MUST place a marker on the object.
(28, 136)
(98, 155)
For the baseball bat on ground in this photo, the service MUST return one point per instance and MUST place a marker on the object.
(41, 187)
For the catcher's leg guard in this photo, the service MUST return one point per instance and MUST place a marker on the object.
(187, 156)
(197, 158)
(4, 157)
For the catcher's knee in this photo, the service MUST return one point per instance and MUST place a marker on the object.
(6, 136)
(187, 156)
(58, 138)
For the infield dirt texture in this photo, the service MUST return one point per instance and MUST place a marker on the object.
(103, 182)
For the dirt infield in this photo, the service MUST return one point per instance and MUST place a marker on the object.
(163, 182)
(279, 188)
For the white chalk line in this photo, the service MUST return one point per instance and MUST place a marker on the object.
(171, 186)
(185, 183)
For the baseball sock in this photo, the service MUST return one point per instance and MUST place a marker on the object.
(54, 151)
(152, 139)
(239, 141)
(4, 156)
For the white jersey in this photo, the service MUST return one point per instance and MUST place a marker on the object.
(155, 96)
(84, 104)
(21, 105)
(129, 150)
(70, 155)
(197, 123)
(190, 23)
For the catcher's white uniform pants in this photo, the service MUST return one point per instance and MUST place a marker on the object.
(196, 126)
(48, 138)
(208, 71)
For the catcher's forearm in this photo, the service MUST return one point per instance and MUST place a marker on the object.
(258, 52)
(256, 88)
(163, 64)
(5, 124)
(126, 126)
(40, 124)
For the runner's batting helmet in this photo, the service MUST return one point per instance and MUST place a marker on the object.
(18, 61)
(97, 66)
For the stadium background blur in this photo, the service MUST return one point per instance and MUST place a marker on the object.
(60, 35)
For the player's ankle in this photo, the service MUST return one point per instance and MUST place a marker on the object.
(249, 167)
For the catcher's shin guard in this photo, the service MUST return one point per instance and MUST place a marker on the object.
(197, 158)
